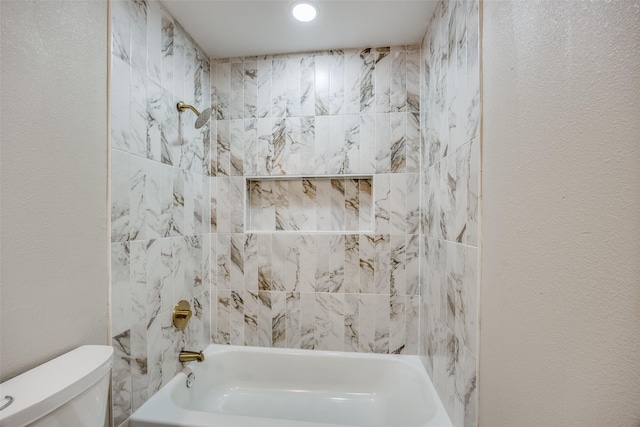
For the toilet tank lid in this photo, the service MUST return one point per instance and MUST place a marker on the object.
(52, 384)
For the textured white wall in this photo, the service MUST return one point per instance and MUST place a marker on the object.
(54, 275)
(560, 288)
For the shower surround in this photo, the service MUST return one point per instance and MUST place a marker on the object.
(334, 265)
(159, 200)
(367, 239)
(450, 197)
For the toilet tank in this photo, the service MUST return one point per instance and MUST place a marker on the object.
(68, 391)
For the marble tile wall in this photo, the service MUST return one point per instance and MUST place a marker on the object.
(309, 204)
(325, 114)
(449, 205)
(179, 231)
(160, 191)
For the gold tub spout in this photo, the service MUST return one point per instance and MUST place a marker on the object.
(190, 356)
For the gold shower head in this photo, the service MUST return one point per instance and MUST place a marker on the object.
(203, 117)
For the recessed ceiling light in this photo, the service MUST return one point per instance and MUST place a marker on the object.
(304, 11)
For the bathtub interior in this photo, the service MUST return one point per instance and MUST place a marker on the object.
(267, 387)
(332, 388)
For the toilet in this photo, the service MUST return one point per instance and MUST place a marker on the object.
(69, 391)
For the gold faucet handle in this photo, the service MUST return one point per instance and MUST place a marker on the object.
(181, 314)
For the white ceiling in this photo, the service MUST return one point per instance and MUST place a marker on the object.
(228, 28)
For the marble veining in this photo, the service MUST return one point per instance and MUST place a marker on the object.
(309, 286)
(161, 199)
(383, 264)
(449, 115)
(367, 80)
(320, 320)
(309, 204)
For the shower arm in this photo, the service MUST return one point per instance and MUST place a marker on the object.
(182, 106)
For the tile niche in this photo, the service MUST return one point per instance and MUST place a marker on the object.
(309, 204)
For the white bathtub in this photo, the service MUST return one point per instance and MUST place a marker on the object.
(265, 387)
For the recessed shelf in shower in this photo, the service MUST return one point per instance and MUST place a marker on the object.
(320, 203)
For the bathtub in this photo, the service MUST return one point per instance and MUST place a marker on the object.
(265, 387)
